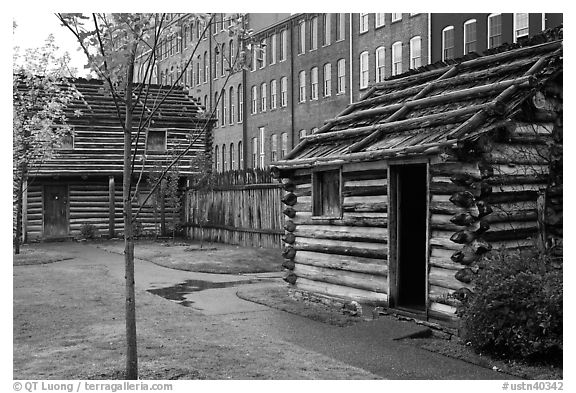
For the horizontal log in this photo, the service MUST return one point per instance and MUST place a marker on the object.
(342, 292)
(444, 300)
(445, 278)
(348, 219)
(365, 204)
(519, 170)
(449, 169)
(342, 277)
(445, 263)
(343, 262)
(442, 309)
(517, 154)
(360, 249)
(360, 234)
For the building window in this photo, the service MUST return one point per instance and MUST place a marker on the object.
(217, 158)
(327, 80)
(520, 26)
(313, 33)
(232, 157)
(273, 94)
(284, 91)
(364, 70)
(178, 38)
(240, 155)
(274, 147)
(254, 152)
(197, 77)
(273, 49)
(263, 97)
(494, 30)
(301, 37)
(326, 37)
(415, 52)
(380, 63)
(262, 150)
(171, 45)
(470, 36)
(262, 51)
(397, 58)
(232, 97)
(396, 17)
(301, 135)
(363, 23)
(341, 88)
(223, 65)
(284, 145)
(224, 158)
(217, 108)
(340, 26)
(206, 69)
(216, 61)
(379, 20)
(240, 104)
(302, 86)
(185, 37)
(326, 194)
(231, 53)
(254, 100)
(283, 44)
(224, 109)
(448, 43)
(314, 83)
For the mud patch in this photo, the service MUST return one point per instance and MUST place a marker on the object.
(178, 292)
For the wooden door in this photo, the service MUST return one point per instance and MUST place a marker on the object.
(55, 211)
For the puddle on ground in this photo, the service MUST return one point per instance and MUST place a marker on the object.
(177, 292)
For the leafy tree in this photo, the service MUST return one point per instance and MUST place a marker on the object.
(40, 94)
(112, 43)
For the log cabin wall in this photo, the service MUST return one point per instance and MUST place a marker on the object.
(346, 257)
(89, 203)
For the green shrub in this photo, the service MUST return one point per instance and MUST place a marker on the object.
(516, 309)
(88, 231)
(137, 228)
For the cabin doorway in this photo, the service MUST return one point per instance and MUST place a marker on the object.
(55, 211)
(408, 221)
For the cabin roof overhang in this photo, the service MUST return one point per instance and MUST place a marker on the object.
(426, 112)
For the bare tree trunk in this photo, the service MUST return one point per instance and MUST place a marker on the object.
(131, 347)
(19, 204)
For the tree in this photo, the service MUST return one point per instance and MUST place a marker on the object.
(112, 43)
(40, 94)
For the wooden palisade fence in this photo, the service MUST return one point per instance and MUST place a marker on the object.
(238, 207)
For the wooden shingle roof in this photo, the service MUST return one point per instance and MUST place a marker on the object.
(98, 133)
(434, 107)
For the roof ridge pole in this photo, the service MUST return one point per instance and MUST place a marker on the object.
(402, 111)
(479, 117)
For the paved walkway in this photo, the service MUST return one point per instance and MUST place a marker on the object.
(368, 345)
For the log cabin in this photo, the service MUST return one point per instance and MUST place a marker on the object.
(393, 202)
(81, 181)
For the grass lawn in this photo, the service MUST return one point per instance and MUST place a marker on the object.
(32, 255)
(210, 258)
(69, 324)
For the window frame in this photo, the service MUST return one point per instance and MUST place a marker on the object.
(445, 30)
(302, 86)
(470, 22)
(327, 73)
(380, 77)
(394, 17)
(364, 70)
(488, 28)
(363, 23)
(273, 94)
(164, 148)
(397, 44)
(313, 33)
(515, 35)
(314, 84)
(283, 92)
(318, 208)
(341, 78)
(412, 40)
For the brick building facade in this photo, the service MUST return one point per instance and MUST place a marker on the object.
(305, 68)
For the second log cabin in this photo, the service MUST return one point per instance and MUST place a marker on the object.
(392, 202)
(81, 182)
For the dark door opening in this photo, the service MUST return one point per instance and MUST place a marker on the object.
(410, 208)
(55, 211)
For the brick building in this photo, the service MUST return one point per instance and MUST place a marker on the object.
(305, 68)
